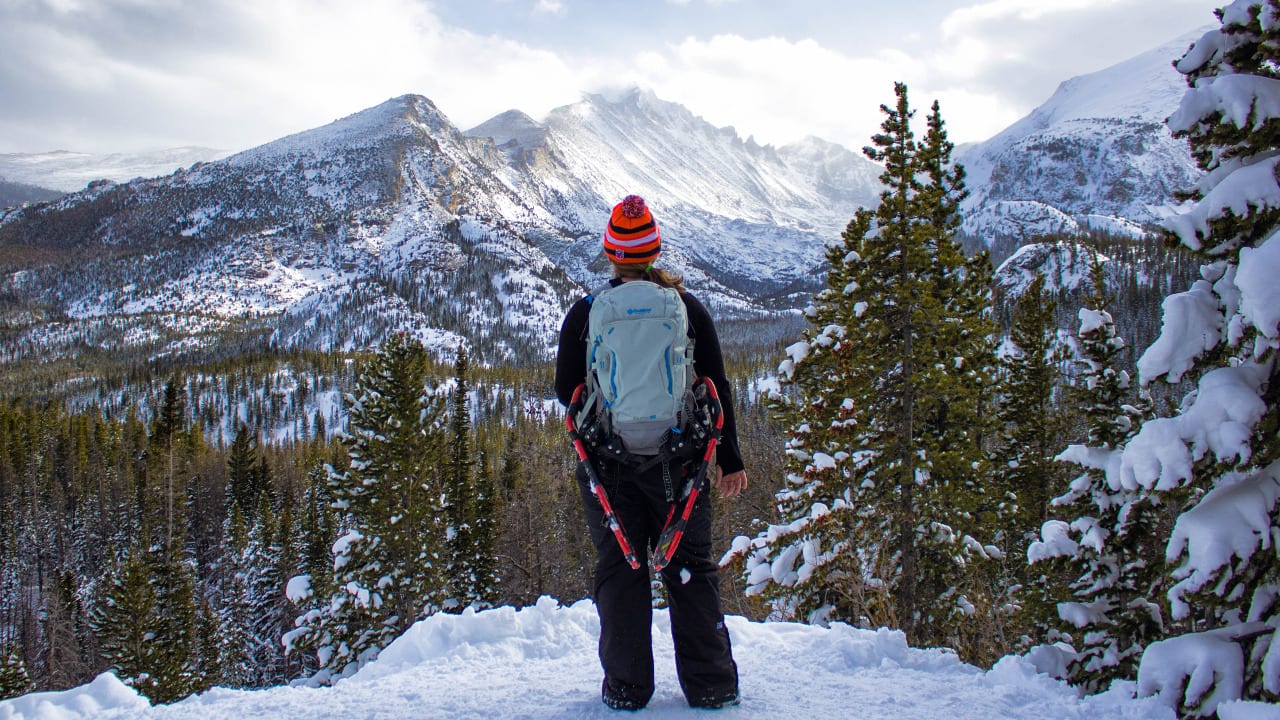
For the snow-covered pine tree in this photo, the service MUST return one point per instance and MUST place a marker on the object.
(467, 528)
(1030, 415)
(14, 679)
(288, 563)
(265, 586)
(125, 622)
(883, 414)
(243, 483)
(1220, 453)
(234, 614)
(484, 536)
(1107, 545)
(390, 565)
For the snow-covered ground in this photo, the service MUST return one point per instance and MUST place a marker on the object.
(540, 663)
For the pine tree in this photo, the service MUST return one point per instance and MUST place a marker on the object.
(67, 663)
(460, 481)
(14, 680)
(1216, 458)
(167, 465)
(885, 422)
(1030, 413)
(484, 537)
(265, 586)
(177, 671)
(125, 622)
(234, 614)
(390, 566)
(243, 482)
(471, 503)
(288, 564)
(1107, 546)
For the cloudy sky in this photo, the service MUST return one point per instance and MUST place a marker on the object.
(130, 75)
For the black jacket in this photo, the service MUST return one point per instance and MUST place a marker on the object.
(571, 367)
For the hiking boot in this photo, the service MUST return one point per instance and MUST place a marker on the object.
(715, 702)
(618, 698)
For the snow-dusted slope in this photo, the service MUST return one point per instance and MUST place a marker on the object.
(732, 212)
(71, 171)
(1065, 267)
(391, 219)
(539, 663)
(388, 220)
(1095, 155)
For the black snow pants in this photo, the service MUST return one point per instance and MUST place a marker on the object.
(704, 659)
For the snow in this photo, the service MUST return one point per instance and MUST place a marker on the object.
(105, 696)
(298, 588)
(1231, 521)
(1226, 409)
(1246, 101)
(1259, 291)
(1245, 710)
(1192, 326)
(1055, 541)
(540, 662)
(1091, 320)
(1241, 192)
(1209, 663)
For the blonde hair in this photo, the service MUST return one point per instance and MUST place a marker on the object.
(660, 276)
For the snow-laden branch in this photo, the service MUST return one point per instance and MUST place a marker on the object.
(1227, 406)
(1240, 192)
(1192, 326)
(1231, 521)
(1259, 291)
(1246, 101)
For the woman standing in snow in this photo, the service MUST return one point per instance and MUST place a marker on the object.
(704, 658)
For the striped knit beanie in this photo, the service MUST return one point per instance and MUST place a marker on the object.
(632, 236)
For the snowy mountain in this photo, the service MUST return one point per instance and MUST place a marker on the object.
(1096, 155)
(70, 171)
(388, 220)
(539, 663)
(393, 220)
(752, 218)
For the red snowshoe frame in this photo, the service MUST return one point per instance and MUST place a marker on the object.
(673, 529)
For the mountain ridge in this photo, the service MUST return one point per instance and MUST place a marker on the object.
(392, 219)
(1097, 151)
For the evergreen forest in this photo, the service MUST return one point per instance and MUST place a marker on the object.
(928, 452)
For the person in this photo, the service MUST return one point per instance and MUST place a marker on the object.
(704, 659)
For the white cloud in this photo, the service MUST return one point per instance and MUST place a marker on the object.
(774, 88)
(114, 75)
(233, 73)
(1023, 48)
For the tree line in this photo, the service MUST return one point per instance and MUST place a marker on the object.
(965, 471)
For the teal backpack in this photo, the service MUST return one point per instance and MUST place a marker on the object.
(639, 364)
